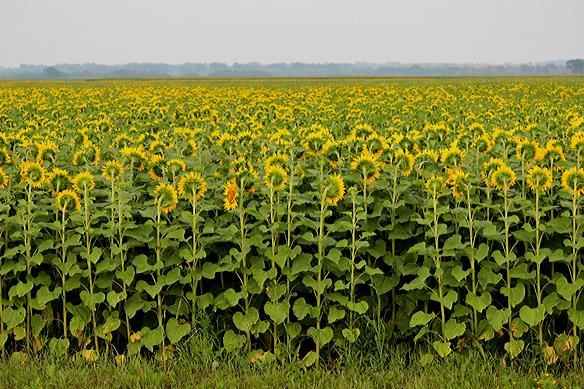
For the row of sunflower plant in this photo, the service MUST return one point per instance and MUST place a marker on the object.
(122, 228)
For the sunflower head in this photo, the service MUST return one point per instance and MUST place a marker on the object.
(4, 156)
(192, 186)
(458, 181)
(275, 177)
(451, 156)
(503, 178)
(157, 147)
(404, 161)
(58, 179)
(573, 181)
(46, 151)
(176, 166)
(539, 179)
(483, 143)
(4, 179)
(277, 160)
(88, 155)
(67, 201)
(32, 173)
(434, 185)
(368, 165)
(334, 189)
(134, 157)
(112, 170)
(83, 181)
(489, 168)
(577, 142)
(231, 193)
(166, 197)
(527, 150)
(157, 167)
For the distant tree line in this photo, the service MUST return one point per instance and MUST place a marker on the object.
(254, 69)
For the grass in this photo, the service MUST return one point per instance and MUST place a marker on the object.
(192, 368)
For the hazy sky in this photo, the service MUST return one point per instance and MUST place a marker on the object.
(177, 31)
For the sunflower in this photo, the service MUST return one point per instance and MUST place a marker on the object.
(67, 200)
(368, 165)
(135, 157)
(192, 186)
(451, 156)
(483, 143)
(4, 156)
(489, 168)
(539, 179)
(577, 142)
(275, 177)
(335, 189)
(58, 179)
(4, 179)
(88, 155)
(231, 193)
(166, 197)
(157, 167)
(176, 165)
(503, 178)
(434, 185)
(32, 173)
(83, 181)
(157, 147)
(573, 181)
(404, 161)
(112, 170)
(277, 160)
(527, 150)
(458, 182)
(46, 150)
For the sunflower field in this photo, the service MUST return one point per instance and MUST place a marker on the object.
(298, 218)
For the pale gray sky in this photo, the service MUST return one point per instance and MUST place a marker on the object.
(177, 31)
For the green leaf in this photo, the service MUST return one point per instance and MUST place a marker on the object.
(442, 348)
(322, 336)
(532, 316)
(152, 338)
(453, 329)
(478, 303)
(176, 331)
(278, 312)
(360, 307)
(497, 317)
(421, 318)
(232, 341)
(351, 334)
(58, 347)
(335, 314)
(514, 347)
(244, 322)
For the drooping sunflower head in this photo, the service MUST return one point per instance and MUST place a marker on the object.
(404, 161)
(176, 166)
(277, 160)
(434, 185)
(83, 182)
(192, 186)
(231, 193)
(483, 143)
(334, 189)
(577, 142)
(551, 154)
(157, 147)
(46, 151)
(67, 201)
(275, 177)
(376, 144)
(58, 179)
(451, 156)
(367, 165)
(88, 155)
(573, 181)
(488, 169)
(4, 156)
(166, 197)
(527, 150)
(4, 179)
(156, 167)
(112, 170)
(427, 159)
(503, 178)
(32, 173)
(458, 181)
(539, 179)
(134, 157)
